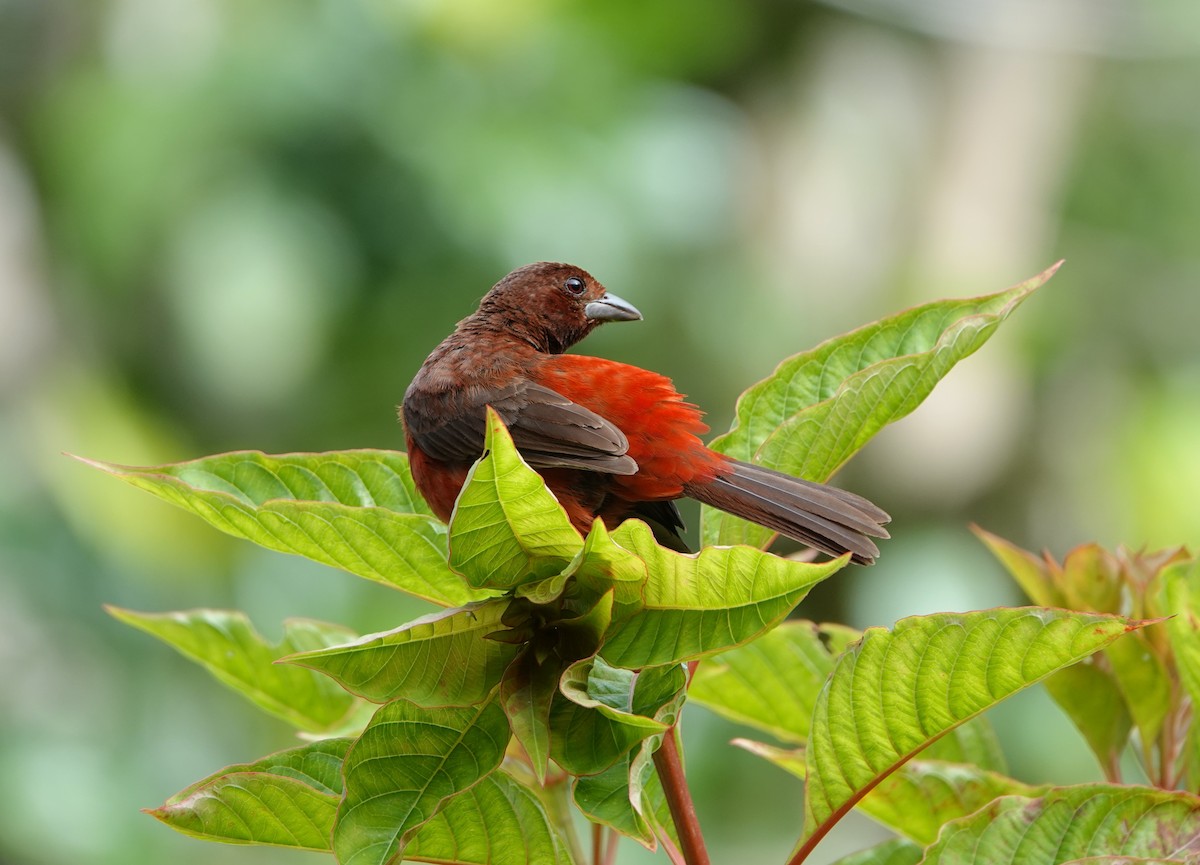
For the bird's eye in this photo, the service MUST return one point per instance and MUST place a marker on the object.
(575, 286)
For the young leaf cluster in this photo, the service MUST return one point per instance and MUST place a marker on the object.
(1140, 690)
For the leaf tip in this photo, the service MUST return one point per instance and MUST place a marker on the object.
(1045, 276)
(1138, 624)
(110, 468)
(121, 614)
(159, 813)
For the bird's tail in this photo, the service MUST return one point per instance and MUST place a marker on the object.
(827, 518)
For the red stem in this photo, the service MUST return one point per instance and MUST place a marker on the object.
(679, 800)
(610, 854)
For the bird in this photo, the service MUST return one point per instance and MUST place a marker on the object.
(609, 439)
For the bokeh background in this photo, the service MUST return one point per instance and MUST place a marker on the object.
(230, 224)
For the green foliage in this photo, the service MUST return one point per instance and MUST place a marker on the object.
(229, 647)
(820, 407)
(562, 662)
(1146, 684)
(354, 510)
(408, 763)
(1075, 823)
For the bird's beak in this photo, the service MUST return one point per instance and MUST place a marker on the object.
(611, 308)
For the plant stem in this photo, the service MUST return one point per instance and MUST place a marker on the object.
(610, 854)
(679, 799)
(558, 805)
(597, 844)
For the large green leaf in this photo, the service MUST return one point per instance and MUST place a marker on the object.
(255, 808)
(772, 683)
(499, 821)
(819, 407)
(354, 510)
(288, 799)
(507, 528)
(439, 660)
(896, 691)
(698, 604)
(1073, 823)
(229, 647)
(407, 765)
(974, 742)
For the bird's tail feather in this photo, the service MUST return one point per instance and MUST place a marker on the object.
(827, 518)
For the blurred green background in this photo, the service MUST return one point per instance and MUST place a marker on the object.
(230, 225)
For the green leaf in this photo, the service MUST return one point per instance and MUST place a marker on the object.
(1091, 579)
(1069, 823)
(1144, 682)
(896, 691)
(443, 659)
(917, 798)
(603, 711)
(1036, 577)
(895, 852)
(925, 794)
(604, 799)
(609, 798)
(663, 699)
(229, 647)
(595, 684)
(603, 564)
(1181, 600)
(1089, 696)
(790, 760)
(499, 821)
(507, 528)
(357, 478)
(407, 765)
(705, 602)
(288, 799)
(317, 764)
(772, 683)
(255, 808)
(973, 742)
(354, 510)
(526, 691)
(819, 407)
(1125, 860)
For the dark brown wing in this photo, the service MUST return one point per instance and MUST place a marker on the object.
(550, 430)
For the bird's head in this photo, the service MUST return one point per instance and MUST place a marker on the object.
(552, 306)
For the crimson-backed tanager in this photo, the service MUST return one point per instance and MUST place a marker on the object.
(610, 440)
